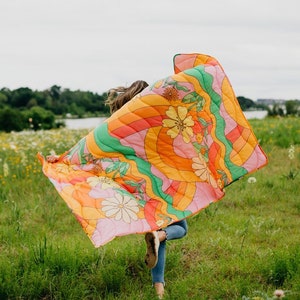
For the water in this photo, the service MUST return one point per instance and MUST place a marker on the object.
(255, 114)
(86, 123)
(90, 123)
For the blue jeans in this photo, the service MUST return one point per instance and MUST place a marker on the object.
(174, 231)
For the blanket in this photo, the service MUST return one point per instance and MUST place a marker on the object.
(163, 157)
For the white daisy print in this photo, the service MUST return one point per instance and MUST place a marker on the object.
(121, 207)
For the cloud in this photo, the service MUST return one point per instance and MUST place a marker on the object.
(95, 45)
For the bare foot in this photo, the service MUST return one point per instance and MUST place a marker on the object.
(159, 288)
(162, 235)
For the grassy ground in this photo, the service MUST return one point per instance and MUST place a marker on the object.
(245, 246)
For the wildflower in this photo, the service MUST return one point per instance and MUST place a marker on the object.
(13, 146)
(5, 169)
(52, 152)
(291, 152)
(279, 294)
(121, 207)
(24, 159)
(179, 123)
(252, 180)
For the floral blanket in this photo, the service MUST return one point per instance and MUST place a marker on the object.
(164, 156)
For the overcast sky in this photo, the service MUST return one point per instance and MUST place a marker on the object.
(98, 44)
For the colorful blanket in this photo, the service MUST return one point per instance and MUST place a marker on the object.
(164, 156)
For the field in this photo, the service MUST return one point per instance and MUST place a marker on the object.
(243, 247)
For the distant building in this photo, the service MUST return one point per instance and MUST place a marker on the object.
(270, 103)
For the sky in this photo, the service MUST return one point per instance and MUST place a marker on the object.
(94, 45)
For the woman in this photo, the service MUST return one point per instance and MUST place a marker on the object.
(155, 241)
(156, 248)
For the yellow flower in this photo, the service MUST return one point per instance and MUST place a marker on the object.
(104, 181)
(122, 207)
(202, 171)
(179, 123)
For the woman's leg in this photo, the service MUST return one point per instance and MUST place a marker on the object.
(174, 231)
(159, 270)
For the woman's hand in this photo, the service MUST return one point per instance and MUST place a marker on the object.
(52, 158)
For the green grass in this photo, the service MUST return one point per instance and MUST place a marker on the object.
(242, 247)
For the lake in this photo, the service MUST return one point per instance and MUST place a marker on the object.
(255, 114)
(85, 123)
(90, 123)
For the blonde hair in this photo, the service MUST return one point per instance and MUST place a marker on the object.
(118, 96)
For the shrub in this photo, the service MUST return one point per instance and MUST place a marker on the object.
(11, 120)
(40, 118)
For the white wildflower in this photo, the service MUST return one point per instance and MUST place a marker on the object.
(252, 180)
(52, 152)
(291, 152)
(24, 159)
(278, 294)
(5, 169)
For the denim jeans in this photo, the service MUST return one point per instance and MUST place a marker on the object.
(174, 231)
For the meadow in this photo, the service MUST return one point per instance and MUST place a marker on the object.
(245, 246)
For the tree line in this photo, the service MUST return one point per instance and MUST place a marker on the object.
(24, 108)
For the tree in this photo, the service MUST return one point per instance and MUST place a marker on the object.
(276, 111)
(40, 118)
(11, 120)
(59, 101)
(3, 100)
(8, 93)
(21, 97)
(292, 107)
(32, 102)
(246, 103)
(55, 92)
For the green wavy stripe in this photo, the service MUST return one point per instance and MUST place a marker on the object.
(108, 144)
(206, 81)
(79, 148)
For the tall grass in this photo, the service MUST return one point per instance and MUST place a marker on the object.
(245, 246)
